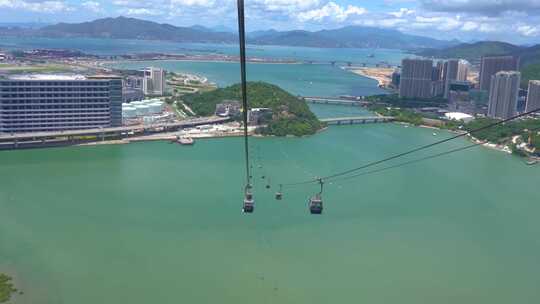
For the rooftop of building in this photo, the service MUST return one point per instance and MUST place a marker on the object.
(58, 77)
(458, 116)
(65, 77)
(508, 73)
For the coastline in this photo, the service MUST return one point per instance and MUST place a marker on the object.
(383, 76)
(470, 138)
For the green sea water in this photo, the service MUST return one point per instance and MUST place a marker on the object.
(111, 47)
(299, 79)
(161, 223)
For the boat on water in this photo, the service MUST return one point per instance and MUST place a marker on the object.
(532, 162)
(186, 141)
(371, 56)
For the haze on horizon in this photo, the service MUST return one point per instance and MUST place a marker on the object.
(515, 21)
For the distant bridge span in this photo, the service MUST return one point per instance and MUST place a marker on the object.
(354, 120)
(336, 101)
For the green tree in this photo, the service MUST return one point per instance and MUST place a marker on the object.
(6, 288)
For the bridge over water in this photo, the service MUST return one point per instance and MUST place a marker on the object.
(357, 120)
(349, 64)
(335, 101)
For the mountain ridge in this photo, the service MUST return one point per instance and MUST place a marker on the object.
(133, 28)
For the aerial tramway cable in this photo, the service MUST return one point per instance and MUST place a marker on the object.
(353, 170)
(417, 160)
(249, 202)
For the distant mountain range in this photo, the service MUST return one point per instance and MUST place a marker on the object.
(131, 28)
(348, 37)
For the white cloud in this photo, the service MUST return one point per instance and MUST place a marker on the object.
(202, 3)
(287, 6)
(402, 12)
(486, 7)
(331, 11)
(92, 6)
(142, 12)
(48, 6)
(528, 30)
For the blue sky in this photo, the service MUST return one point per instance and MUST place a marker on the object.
(515, 21)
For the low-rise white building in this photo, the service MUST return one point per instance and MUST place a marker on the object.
(459, 116)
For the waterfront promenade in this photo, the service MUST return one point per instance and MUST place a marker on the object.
(43, 139)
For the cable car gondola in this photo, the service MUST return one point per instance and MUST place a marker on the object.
(279, 194)
(249, 202)
(316, 202)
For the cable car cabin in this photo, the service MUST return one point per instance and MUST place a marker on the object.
(316, 204)
(279, 196)
(249, 203)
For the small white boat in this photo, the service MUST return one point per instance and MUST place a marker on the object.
(434, 134)
(532, 162)
(186, 141)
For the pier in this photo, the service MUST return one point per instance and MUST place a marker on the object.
(357, 120)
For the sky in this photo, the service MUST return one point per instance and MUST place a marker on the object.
(515, 21)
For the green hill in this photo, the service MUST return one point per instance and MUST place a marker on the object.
(347, 37)
(473, 51)
(132, 28)
(529, 72)
(530, 55)
(292, 115)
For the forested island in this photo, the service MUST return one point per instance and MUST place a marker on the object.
(290, 115)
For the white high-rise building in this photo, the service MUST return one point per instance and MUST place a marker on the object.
(451, 68)
(491, 65)
(454, 70)
(154, 82)
(463, 70)
(503, 94)
(416, 78)
(42, 103)
(533, 98)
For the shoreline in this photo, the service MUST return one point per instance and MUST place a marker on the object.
(470, 138)
(383, 76)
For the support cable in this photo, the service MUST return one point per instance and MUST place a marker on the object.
(347, 172)
(242, 42)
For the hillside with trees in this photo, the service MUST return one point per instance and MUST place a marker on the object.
(473, 51)
(502, 133)
(530, 72)
(6, 288)
(291, 115)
